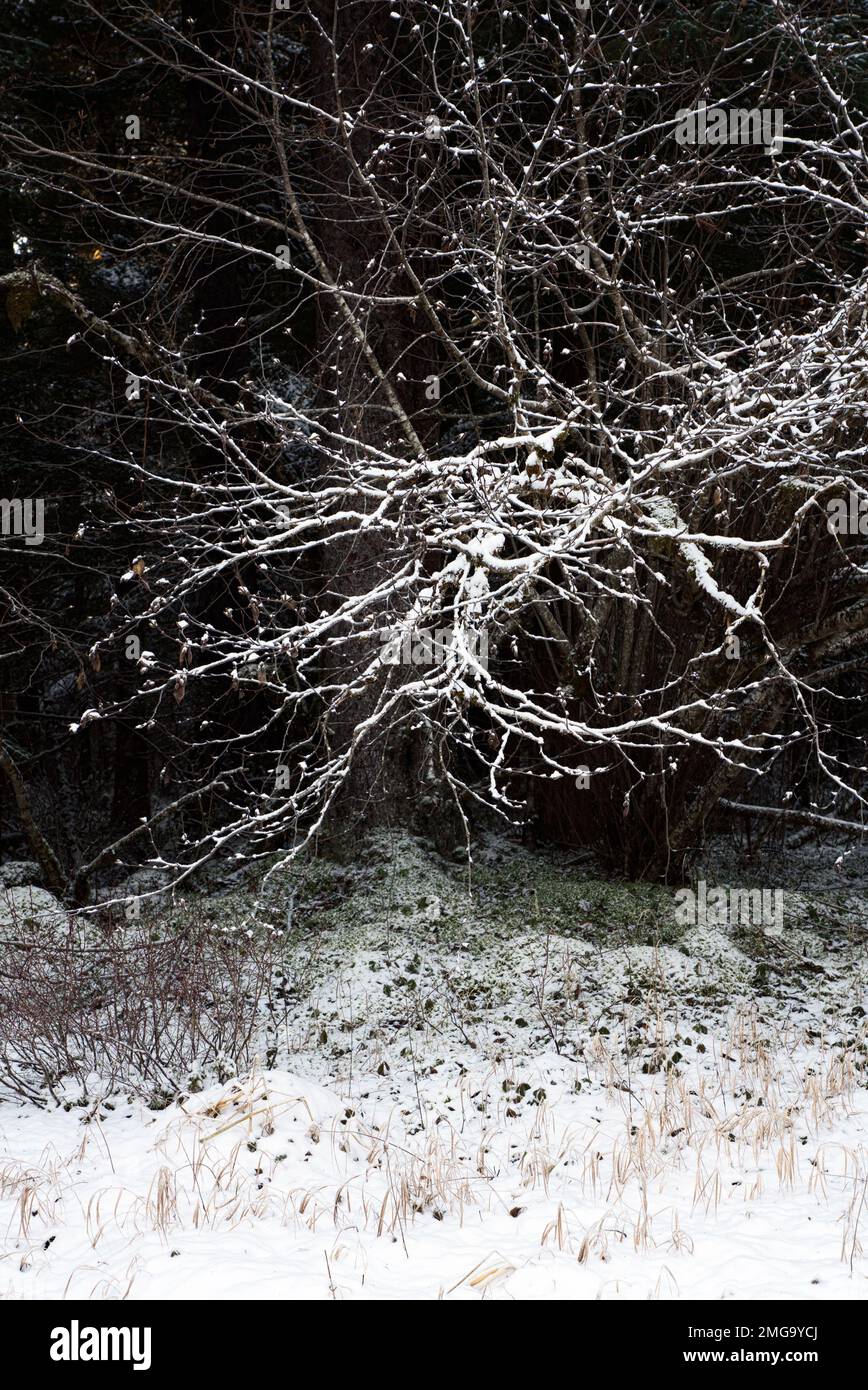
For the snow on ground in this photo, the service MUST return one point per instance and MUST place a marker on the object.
(536, 1097)
(744, 1177)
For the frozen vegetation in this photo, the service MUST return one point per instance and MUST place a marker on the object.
(514, 1079)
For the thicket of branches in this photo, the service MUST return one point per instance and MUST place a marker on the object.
(414, 318)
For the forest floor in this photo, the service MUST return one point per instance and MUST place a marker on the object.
(521, 1082)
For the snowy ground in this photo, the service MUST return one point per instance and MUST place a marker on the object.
(524, 1114)
(743, 1178)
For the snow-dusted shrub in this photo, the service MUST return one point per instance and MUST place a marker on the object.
(96, 1006)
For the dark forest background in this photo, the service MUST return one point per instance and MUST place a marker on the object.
(124, 259)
